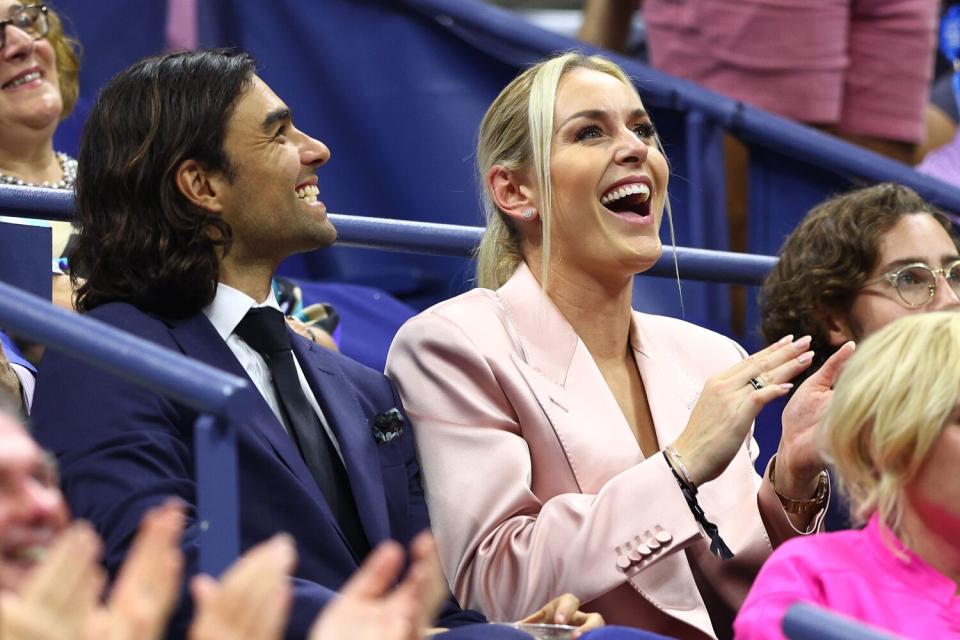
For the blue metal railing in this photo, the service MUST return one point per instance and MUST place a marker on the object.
(428, 238)
(806, 622)
(212, 392)
(199, 386)
(35, 202)
(502, 34)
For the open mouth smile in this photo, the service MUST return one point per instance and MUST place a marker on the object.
(632, 199)
(308, 193)
(24, 557)
(22, 79)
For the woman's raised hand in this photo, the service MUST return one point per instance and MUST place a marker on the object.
(731, 400)
(798, 458)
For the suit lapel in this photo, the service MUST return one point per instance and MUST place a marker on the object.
(198, 339)
(671, 391)
(568, 386)
(353, 431)
(587, 419)
(671, 394)
(573, 394)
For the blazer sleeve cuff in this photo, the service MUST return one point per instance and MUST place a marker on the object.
(676, 521)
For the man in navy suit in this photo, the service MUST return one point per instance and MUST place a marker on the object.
(193, 185)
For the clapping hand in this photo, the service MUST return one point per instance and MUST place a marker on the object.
(370, 607)
(798, 458)
(731, 400)
(61, 598)
(148, 583)
(252, 600)
(58, 599)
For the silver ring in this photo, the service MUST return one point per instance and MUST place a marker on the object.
(756, 384)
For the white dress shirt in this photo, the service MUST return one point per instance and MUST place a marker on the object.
(225, 313)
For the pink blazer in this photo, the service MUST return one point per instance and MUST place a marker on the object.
(536, 485)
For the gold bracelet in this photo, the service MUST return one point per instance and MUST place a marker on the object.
(816, 503)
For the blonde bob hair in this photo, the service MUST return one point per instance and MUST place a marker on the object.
(517, 133)
(888, 409)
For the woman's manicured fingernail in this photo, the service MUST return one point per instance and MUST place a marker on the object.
(802, 343)
(806, 358)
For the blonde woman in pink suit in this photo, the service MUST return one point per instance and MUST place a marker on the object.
(568, 442)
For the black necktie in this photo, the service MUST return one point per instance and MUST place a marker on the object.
(265, 330)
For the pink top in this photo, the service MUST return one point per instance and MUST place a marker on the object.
(853, 573)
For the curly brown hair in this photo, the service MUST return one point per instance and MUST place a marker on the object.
(67, 52)
(827, 259)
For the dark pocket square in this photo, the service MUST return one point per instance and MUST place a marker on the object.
(387, 426)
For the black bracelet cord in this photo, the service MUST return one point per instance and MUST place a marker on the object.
(718, 547)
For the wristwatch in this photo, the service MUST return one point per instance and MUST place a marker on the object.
(814, 504)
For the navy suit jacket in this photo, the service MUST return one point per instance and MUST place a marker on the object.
(123, 449)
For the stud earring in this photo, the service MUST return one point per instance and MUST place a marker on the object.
(528, 214)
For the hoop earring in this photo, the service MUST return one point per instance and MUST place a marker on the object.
(529, 214)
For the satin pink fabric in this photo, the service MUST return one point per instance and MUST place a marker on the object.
(536, 484)
(858, 574)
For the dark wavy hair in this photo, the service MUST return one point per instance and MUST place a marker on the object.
(140, 240)
(826, 260)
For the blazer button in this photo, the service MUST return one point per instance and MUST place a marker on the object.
(623, 562)
(651, 540)
(643, 549)
(662, 535)
(638, 554)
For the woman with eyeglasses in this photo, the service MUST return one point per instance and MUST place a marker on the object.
(39, 85)
(38, 88)
(39, 72)
(857, 262)
(892, 433)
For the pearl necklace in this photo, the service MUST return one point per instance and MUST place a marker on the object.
(67, 165)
